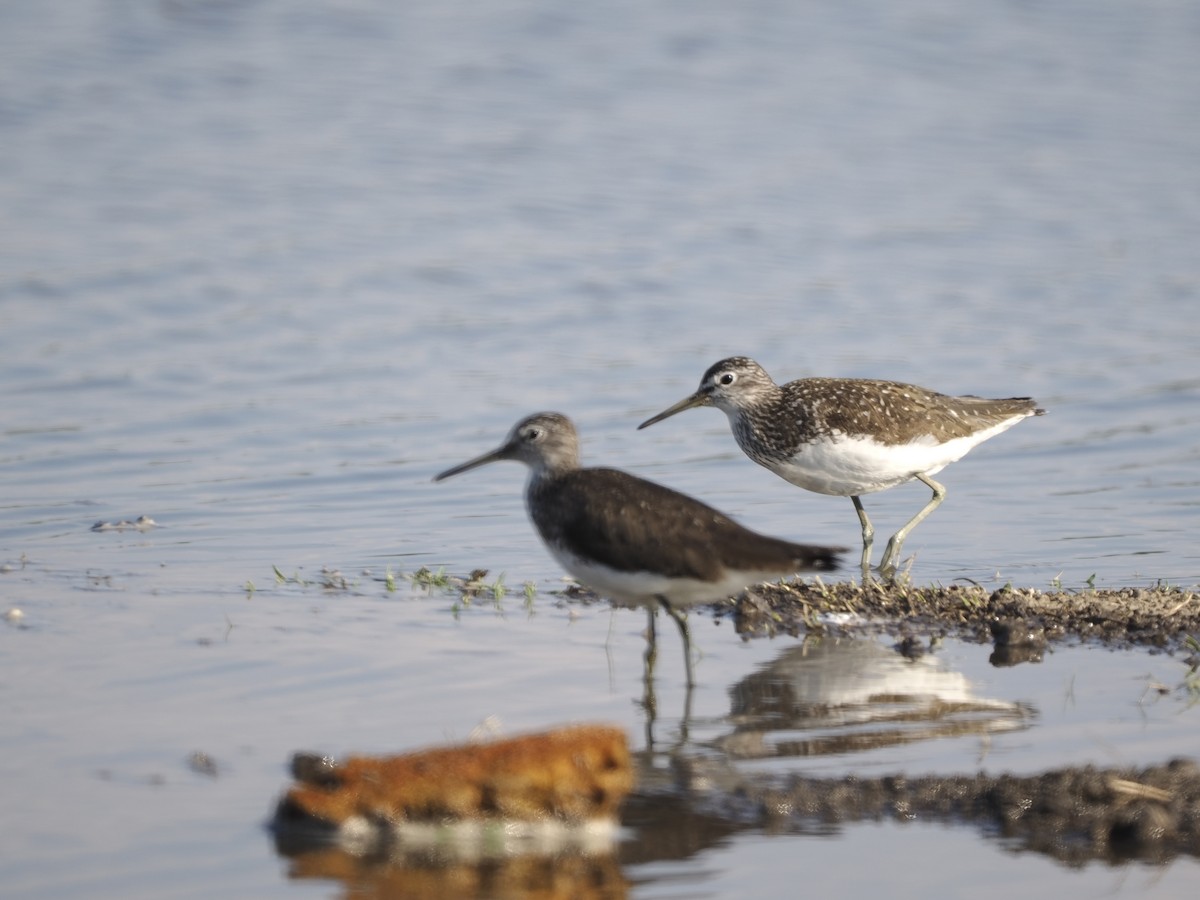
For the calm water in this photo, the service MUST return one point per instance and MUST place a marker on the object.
(266, 267)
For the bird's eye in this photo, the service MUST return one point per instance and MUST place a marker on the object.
(726, 378)
(533, 434)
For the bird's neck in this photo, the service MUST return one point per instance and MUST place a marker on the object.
(542, 476)
(755, 426)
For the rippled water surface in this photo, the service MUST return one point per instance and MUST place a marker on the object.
(267, 267)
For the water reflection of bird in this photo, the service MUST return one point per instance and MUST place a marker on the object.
(852, 695)
(636, 541)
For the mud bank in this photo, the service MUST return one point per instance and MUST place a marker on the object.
(1016, 620)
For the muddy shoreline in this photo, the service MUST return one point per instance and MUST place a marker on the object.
(1015, 620)
(1019, 622)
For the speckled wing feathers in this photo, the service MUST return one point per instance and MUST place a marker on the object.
(632, 525)
(890, 412)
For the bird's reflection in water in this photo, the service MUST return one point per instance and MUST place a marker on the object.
(843, 695)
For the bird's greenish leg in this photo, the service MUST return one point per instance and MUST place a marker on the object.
(681, 620)
(891, 555)
(868, 537)
(651, 644)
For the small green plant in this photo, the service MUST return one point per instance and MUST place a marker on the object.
(974, 599)
(497, 589)
(1191, 686)
(280, 578)
(389, 581)
(250, 589)
(426, 578)
(1091, 581)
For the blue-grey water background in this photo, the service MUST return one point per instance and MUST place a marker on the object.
(266, 267)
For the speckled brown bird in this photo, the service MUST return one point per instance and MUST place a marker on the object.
(636, 541)
(851, 436)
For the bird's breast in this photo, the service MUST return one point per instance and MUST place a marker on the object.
(843, 466)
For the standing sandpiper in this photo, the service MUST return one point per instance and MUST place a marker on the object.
(851, 436)
(635, 541)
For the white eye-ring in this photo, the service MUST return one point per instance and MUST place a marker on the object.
(726, 378)
(533, 434)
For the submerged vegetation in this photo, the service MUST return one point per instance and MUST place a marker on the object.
(466, 589)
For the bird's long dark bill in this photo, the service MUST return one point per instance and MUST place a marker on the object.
(489, 457)
(697, 399)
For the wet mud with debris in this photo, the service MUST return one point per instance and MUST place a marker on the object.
(1015, 620)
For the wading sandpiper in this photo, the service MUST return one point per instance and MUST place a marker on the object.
(851, 436)
(635, 541)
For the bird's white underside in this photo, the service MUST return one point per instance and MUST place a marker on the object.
(851, 465)
(643, 588)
